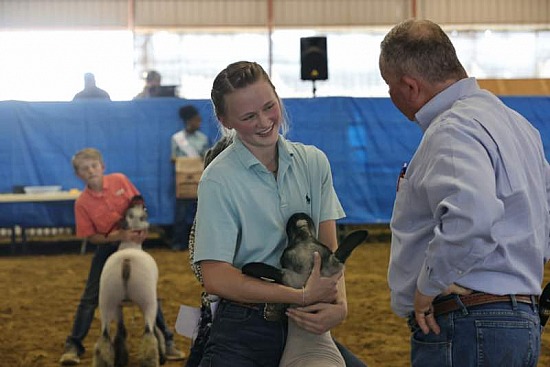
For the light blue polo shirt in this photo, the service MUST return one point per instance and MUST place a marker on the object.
(242, 210)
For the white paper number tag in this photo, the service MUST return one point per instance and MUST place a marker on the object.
(187, 322)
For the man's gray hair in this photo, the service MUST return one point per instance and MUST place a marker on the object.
(420, 48)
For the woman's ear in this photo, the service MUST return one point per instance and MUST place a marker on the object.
(224, 122)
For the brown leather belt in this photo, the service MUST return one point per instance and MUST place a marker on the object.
(269, 311)
(476, 299)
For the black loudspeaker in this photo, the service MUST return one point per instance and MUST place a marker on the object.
(313, 57)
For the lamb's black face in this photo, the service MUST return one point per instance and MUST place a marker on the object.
(297, 258)
(299, 227)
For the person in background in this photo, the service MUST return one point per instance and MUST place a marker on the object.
(470, 224)
(188, 142)
(97, 210)
(91, 90)
(152, 85)
(245, 197)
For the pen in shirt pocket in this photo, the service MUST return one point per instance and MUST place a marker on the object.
(402, 174)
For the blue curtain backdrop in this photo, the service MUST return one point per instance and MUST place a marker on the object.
(366, 140)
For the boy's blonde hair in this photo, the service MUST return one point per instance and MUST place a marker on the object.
(86, 153)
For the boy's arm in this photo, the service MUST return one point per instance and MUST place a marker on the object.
(85, 227)
(98, 239)
(119, 235)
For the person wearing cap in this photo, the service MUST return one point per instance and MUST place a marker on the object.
(188, 142)
(152, 85)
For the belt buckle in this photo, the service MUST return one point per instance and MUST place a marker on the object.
(274, 311)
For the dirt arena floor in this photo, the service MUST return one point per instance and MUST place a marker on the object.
(39, 294)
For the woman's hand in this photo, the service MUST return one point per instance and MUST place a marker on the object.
(318, 318)
(318, 288)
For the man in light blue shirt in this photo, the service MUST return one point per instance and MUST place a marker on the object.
(470, 225)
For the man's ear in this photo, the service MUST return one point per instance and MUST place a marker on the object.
(412, 88)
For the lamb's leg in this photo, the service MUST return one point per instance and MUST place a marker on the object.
(149, 355)
(305, 349)
(121, 351)
(104, 353)
(161, 344)
(149, 350)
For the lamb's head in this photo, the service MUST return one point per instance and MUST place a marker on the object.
(297, 258)
(299, 227)
(135, 218)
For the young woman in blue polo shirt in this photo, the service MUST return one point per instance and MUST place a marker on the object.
(246, 195)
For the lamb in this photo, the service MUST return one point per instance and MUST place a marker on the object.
(129, 275)
(305, 349)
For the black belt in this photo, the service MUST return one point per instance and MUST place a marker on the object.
(476, 299)
(269, 311)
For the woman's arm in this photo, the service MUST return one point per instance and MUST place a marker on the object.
(224, 280)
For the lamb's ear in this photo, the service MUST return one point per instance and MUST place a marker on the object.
(137, 200)
(349, 243)
(263, 271)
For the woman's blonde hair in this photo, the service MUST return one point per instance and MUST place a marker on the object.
(239, 75)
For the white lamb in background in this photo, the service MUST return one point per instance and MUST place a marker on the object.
(130, 274)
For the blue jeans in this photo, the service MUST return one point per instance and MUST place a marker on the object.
(503, 334)
(184, 215)
(90, 298)
(350, 359)
(241, 337)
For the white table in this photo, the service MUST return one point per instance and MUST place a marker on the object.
(47, 196)
(56, 196)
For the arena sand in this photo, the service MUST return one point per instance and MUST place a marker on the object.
(40, 293)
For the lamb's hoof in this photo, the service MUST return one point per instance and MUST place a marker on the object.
(149, 351)
(104, 354)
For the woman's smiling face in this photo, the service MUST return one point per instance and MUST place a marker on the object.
(255, 113)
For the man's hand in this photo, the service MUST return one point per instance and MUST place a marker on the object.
(456, 289)
(318, 318)
(423, 308)
(424, 313)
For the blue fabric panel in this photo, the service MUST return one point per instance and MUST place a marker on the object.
(366, 140)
